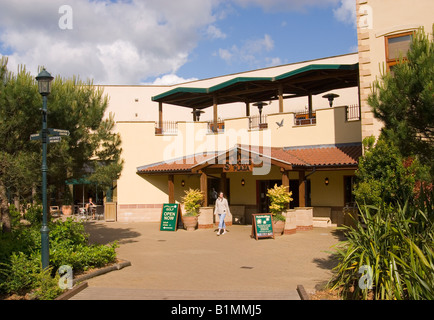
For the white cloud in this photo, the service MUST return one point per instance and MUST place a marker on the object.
(215, 33)
(121, 42)
(170, 79)
(279, 5)
(251, 51)
(129, 41)
(226, 54)
(346, 12)
(271, 62)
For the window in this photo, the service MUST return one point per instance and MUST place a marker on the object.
(397, 45)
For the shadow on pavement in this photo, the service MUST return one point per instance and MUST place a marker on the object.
(100, 233)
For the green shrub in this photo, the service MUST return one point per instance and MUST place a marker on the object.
(20, 273)
(192, 201)
(20, 265)
(383, 176)
(34, 214)
(279, 201)
(398, 246)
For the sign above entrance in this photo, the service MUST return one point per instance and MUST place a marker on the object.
(239, 167)
(238, 162)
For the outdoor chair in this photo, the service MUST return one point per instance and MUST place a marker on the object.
(55, 211)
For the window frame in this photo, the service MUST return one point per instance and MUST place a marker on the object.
(391, 62)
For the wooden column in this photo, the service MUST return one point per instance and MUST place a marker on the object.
(204, 187)
(160, 115)
(309, 100)
(247, 109)
(215, 114)
(301, 189)
(280, 93)
(171, 187)
(285, 180)
(223, 184)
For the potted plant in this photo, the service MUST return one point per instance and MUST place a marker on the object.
(67, 200)
(279, 202)
(192, 201)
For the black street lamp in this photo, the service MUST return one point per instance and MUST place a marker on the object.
(44, 85)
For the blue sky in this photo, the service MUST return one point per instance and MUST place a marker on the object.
(295, 36)
(165, 41)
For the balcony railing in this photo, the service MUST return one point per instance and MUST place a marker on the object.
(302, 118)
(353, 112)
(219, 128)
(166, 127)
(258, 122)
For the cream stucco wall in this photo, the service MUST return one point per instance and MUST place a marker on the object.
(377, 19)
(331, 195)
(141, 146)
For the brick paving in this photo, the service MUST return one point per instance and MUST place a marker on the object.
(199, 265)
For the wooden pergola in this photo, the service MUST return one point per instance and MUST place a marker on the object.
(307, 81)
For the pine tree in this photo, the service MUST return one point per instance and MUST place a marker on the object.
(92, 148)
(404, 100)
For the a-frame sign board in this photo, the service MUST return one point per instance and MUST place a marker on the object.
(262, 226)
(170, 217)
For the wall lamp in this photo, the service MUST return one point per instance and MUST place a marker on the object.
(243, 182)
(182, 183)
(326, 181)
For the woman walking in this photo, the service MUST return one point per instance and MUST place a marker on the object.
(221, 209)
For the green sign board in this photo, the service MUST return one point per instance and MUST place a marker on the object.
(262, 226)
(169, 217)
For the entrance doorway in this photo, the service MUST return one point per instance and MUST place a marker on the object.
(263, 202)
(214, 187)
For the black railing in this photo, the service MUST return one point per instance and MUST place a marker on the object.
(258, 122)
(303, 118)
(220, 127)
(353, 112)
(166, 127)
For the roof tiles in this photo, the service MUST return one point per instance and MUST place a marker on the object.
(316, 156)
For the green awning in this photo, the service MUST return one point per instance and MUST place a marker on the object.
(312, 79)
(78, 181)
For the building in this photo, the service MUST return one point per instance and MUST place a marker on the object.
(212, 134)
(300, 125)
(384, 29)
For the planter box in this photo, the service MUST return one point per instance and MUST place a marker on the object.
(304, 218)
(291, 222)
(110, 211)
(206, 219)
(67, 210)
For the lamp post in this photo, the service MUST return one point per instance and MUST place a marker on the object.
(44, 85)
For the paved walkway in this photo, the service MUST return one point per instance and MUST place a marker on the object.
(199, 265)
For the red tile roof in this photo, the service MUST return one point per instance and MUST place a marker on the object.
(343, 155)
(316, 156)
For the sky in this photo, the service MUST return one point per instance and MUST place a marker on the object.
(164, 42)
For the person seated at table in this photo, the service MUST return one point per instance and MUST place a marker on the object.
(88, 207)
